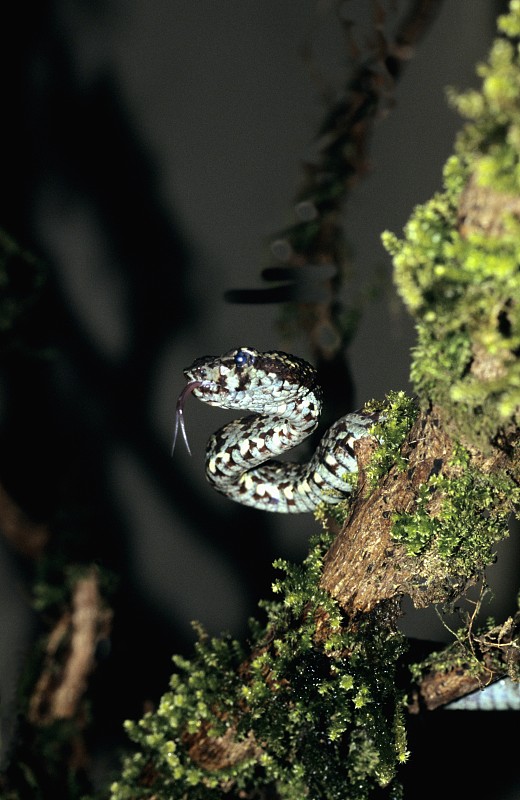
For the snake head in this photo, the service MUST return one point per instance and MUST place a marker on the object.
(246, 379)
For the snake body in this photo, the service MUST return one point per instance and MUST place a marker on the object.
(283, 393)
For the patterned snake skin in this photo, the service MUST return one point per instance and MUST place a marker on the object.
(283, 393)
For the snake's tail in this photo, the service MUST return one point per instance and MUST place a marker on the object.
(179, 415)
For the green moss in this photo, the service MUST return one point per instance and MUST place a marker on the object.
(398, 414)
(466, 523)
(324, 512)
(462, 286)
(320, 702)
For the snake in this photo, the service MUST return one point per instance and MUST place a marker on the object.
(283, 392)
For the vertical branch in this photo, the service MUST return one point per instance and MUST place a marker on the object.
(313, 251)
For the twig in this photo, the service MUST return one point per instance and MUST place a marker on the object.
(70, 654)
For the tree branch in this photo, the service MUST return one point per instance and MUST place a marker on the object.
(459, 670)
(70, 653)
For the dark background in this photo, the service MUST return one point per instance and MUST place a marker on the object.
(151, 151)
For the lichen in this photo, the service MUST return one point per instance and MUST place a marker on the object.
(315, 708)
(460, 281)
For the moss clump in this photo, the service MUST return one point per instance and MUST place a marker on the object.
(492, 142)
(457, 268)
(314, 712)
(459, 516)
(398, 414)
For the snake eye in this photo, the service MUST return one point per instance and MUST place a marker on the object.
(243, 358)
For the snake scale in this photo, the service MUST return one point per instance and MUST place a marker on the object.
(283, 393)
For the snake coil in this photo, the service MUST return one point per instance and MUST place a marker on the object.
(283, 393)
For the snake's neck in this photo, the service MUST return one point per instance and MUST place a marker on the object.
(240, 458)
(239, 455)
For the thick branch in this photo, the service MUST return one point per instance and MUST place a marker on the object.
(365, 565)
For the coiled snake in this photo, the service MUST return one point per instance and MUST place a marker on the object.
(283, 392)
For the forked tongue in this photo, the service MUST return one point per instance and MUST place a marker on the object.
(179, 414)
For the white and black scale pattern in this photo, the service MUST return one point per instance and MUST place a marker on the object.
(283, 393)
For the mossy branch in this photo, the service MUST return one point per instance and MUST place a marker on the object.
(473, 661)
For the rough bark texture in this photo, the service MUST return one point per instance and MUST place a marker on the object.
(365, 565)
